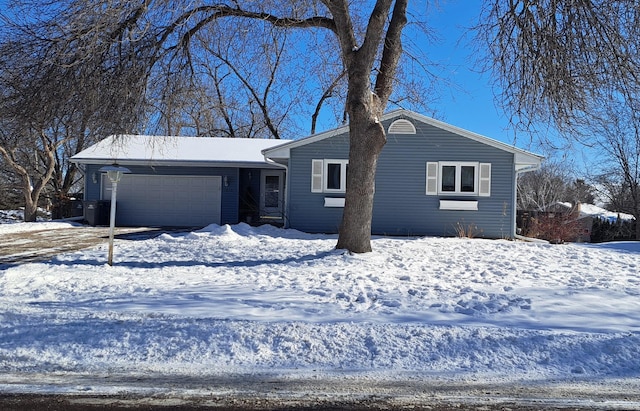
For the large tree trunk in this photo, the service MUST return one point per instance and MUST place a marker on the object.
(365, 106)
(366, 139)
(30, 206)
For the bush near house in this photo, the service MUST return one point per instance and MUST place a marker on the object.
(554, 227)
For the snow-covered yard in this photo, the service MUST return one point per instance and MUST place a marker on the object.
(245, 300)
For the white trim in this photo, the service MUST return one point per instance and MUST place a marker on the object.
(458, 205)
(333, 202)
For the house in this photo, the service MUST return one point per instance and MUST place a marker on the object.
(432, 179)
(186, 181)
(564, 221)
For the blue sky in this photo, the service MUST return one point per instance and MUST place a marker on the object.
(471, 104)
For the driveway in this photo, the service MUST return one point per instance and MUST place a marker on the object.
(42, 245)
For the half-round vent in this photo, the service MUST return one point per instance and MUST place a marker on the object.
(402, 127)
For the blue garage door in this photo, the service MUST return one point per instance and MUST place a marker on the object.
(170, 201)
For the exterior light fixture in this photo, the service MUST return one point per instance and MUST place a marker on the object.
(115, 173)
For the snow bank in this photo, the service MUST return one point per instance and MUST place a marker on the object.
(252, 300)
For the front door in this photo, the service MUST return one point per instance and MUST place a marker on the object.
(272, 195)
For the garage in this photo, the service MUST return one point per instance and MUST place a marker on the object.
(165, 200)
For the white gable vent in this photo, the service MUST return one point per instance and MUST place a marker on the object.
(402, 126)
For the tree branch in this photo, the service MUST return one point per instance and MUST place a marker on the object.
(391, 53)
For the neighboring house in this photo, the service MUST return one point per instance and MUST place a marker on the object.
(186, 181)
(432, 179)
(579, 218)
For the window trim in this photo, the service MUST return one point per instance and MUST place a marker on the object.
(343, 175)
(458, 176)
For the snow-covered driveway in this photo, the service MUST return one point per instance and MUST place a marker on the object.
(43, 241)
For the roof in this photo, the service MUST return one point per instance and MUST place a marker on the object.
(523, 158)
(591, 210)
(173, 150)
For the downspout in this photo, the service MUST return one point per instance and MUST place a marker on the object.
(515, 206)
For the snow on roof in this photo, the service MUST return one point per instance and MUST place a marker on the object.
(136, 149)
(590, 210)
(595, 211)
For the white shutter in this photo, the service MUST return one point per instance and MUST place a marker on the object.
(317, 167)
(485, 180)
(432, 179)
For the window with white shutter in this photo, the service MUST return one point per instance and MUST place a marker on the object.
(458, 178)
(329, 176)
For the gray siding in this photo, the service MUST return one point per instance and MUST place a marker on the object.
(401, 206)
(230, 192)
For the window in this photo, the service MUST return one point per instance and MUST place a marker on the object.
(329, 176)
(461, 178)
(334, 176)
(272, 191)
(458, 178)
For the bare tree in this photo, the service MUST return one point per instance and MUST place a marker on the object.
(223, 85)
(10, 194)
(537, 190)
(369, 52)
(554, 182)
(58, 95)
(574, 64)
(553, 59)
(618, 142)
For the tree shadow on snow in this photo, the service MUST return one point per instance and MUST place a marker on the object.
(248, 263)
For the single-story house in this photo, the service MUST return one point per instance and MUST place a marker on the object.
(432, 179)
(186, 181)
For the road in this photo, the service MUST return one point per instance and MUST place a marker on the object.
(340, 392)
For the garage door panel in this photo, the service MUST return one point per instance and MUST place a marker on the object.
(167, 200)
